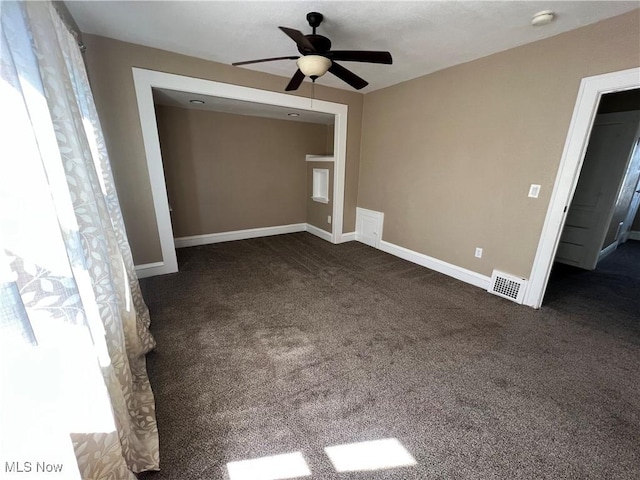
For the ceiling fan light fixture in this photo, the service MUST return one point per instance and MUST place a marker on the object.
(314, 65)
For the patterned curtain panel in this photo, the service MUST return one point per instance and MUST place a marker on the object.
(73, 324)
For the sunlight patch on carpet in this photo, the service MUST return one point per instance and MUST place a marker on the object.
(370, 455)
(274, 467)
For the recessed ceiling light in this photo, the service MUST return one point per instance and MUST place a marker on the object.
(197, 102)
(293, 114)
(544, 17)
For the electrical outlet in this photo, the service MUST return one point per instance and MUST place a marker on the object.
(329, 219)
(478, 252)
(534, 191)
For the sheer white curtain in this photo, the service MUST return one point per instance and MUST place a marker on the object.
(73, 324)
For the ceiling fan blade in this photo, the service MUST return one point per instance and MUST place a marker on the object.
(295, 81)
(361, 56)
(347, 76)
(264, 60)
(298, 37)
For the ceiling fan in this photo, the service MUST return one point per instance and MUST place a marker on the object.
(318, 58)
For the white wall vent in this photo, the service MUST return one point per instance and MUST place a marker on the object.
(507, 286)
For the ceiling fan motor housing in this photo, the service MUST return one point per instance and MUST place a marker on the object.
(320, 43)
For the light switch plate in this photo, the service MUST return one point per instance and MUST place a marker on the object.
(534, 191)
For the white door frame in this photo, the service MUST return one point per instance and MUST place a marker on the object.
(591, 89)
(144, 80)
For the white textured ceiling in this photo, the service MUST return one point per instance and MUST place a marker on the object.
(422, 36)
(173, 98)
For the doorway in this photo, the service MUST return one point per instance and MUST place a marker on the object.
(594, 264)
(589, 94)
(603, 206)
(146, 80)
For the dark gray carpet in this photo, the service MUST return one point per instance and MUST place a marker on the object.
(610, 293)
(289, 343)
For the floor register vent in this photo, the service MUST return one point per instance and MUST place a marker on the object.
(507, 286)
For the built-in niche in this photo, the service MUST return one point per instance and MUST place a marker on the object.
(320, 174)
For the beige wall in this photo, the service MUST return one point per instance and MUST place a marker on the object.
(109, 63)
(449, 157)
(329, 146)
(229, 172)
(317, 212)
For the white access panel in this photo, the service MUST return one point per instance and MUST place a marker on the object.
(369, 225)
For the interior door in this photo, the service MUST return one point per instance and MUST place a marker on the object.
(610, 146)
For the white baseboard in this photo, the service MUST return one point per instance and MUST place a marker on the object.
(150, 269)
(633, 235)
(462, 274)
(449, 269)
(318, 232)
(206, 239)
(158, 268)
(348, 237)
